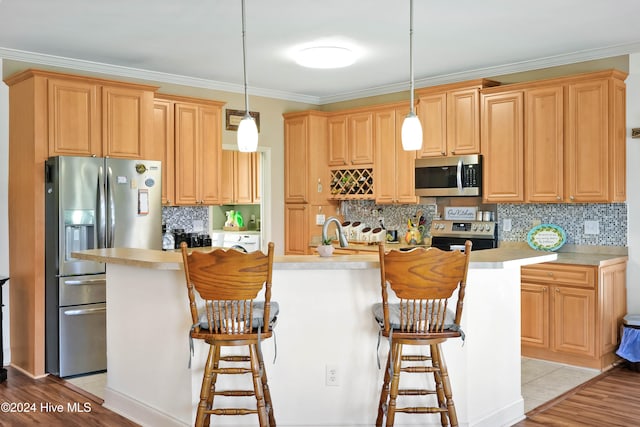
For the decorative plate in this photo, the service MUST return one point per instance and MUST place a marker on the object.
(546, 237)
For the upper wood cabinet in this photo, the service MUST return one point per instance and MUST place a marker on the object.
(239, 178)
(450, 117)
(350, 138)
(394, 168)
(163, 135)
(502, 147)
(574, 140)
(91, 117)
(306, 174)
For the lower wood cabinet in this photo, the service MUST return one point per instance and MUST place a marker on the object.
(572, 313)
(301, 225)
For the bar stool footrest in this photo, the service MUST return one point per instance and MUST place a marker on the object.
(422, 410)
(415, 392)
(235, 393)
(231, 411)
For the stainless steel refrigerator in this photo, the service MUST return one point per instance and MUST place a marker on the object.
(91, 203)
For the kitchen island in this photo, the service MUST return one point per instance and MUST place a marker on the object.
(325, 321)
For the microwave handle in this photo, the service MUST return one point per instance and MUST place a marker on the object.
(459, 175)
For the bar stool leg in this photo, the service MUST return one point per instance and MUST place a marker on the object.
(384, 392)
(205, 390)
(257, 386)
(267, 393)
(451, 408)
(435, 362)
(395, 383)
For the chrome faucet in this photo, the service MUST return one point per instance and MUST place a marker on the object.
(341, 236)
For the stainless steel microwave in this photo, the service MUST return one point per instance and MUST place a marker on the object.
(449, 176)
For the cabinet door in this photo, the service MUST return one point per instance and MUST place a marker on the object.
(360, 134)
(163, 124)
(295, 160)
(432, 112)
(186, 134)
(613, 302)
(405, 177)
(226, 177)
(544, 143)
(210, 154)
(338, 147)
(385, 167)
(587, 142)
(127, 122)
(534, 315)
(463, 121)
(574, 320)
(296, 231)
(243, 178)
(503, 147)
(74, 118)
(257, 177)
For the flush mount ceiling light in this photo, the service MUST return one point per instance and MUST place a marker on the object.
(247, 129)
(411, 127)
(325, 57)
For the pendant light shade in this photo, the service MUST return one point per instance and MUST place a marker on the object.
(411, 127)
(247, 129)
(248, 134)
(411, 133)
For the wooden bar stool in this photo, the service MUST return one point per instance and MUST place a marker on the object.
(228, 282)
(423, 280)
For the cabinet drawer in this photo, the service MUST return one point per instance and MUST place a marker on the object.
(564, 274)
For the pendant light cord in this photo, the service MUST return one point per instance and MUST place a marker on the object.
(410, 49)
(244, 62)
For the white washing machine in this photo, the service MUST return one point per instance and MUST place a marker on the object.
(241, 241)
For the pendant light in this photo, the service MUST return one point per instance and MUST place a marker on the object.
(247, 129)
(411, 127)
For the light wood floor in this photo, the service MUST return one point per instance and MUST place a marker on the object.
(610, 399)
(50, 401)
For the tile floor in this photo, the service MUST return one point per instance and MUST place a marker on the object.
(94, 384)
(541, 381)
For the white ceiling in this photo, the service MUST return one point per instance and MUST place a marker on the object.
(198, 42)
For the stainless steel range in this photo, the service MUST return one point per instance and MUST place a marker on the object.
(450, 235)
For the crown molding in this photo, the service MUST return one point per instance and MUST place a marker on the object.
(155, 76)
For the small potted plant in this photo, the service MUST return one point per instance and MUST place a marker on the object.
(326, 248)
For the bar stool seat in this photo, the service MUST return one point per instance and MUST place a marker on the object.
(222, 286)
(416, 313)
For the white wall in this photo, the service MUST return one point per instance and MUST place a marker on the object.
(4, 211)
(633, 177)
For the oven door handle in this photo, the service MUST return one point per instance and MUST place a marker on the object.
(456, 248)
(459, 175)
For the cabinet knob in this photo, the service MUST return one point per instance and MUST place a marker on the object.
(443, 153)
(571, 197)
(453, 151)
(557, 197)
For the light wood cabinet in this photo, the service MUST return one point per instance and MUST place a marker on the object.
(503, 147)
(450, 117)
(572, 313)
(56, 114)
(98, 118)
(394, 176)
(296, 225)
(198, 153)
(350, 138)
(163, 135)
(239, 178)
(574, 139)
(544, 144)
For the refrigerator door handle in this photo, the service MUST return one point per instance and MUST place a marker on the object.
(85, 282)
(112, 208)
(80, 312)
(101, 210)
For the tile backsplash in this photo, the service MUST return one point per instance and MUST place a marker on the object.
(612, 218)
(612, 221)
(188, 218)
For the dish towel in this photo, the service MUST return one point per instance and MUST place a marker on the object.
(630, 346)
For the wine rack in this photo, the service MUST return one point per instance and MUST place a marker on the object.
(347, 184)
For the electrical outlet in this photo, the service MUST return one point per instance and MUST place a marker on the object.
(592, 227)
(506, 224)
(332, 378)
(320, 219)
